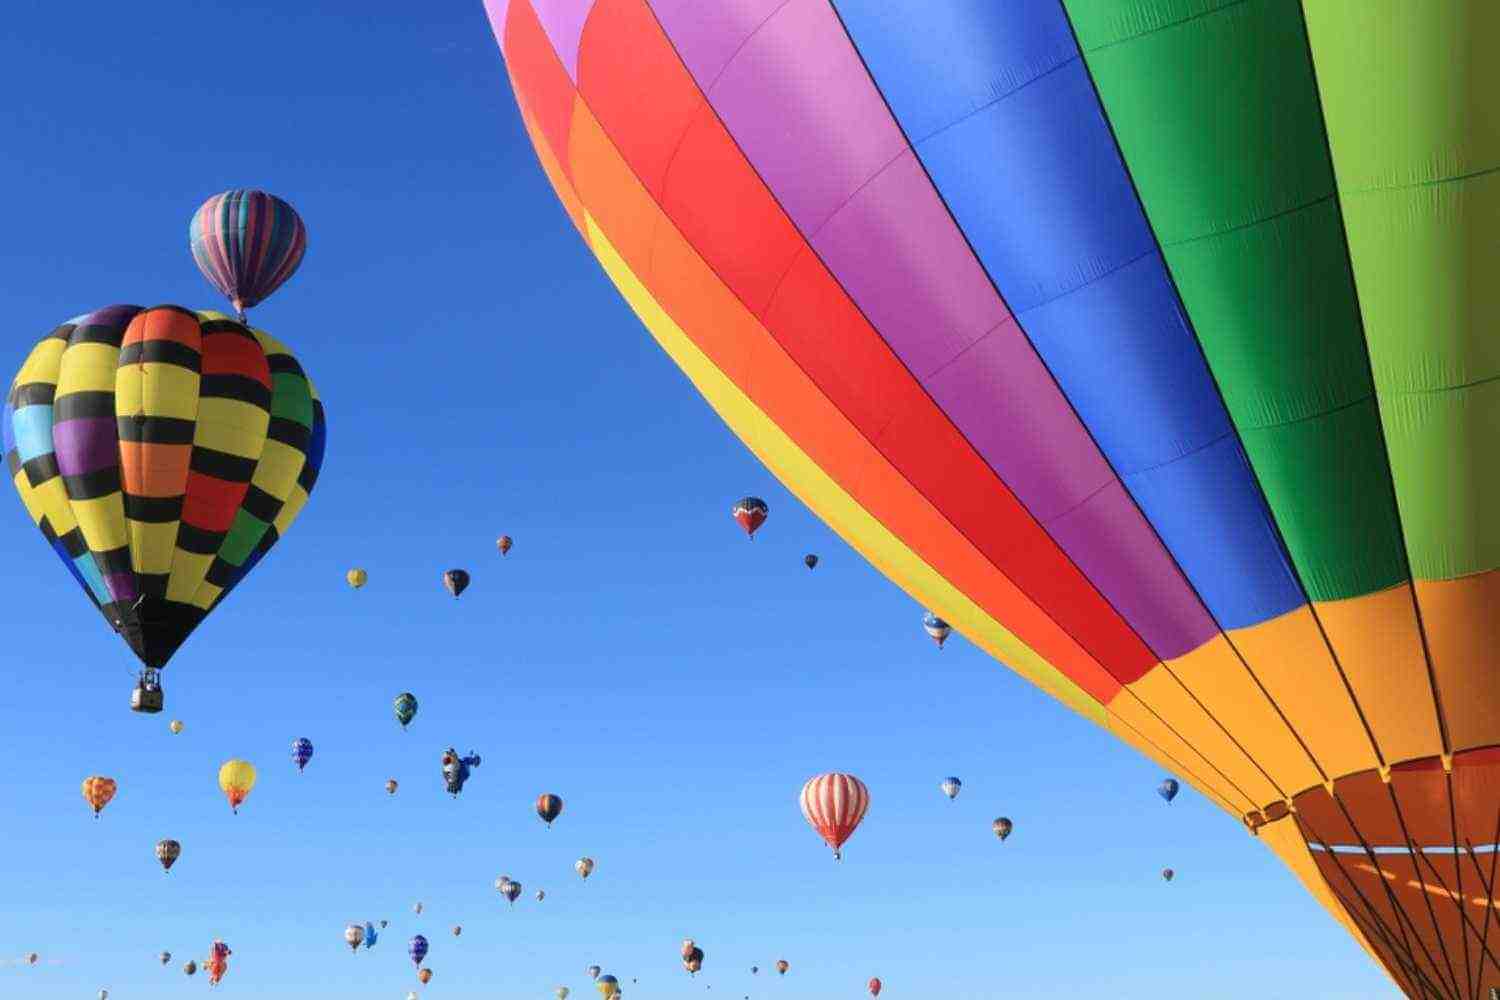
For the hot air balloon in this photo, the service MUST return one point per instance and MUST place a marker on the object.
(751, 513)
(97, 791)
(810, 560)
(302, 751)
(456, 581)
(246, 243)
(593, 971)
(548, 807)
(754, 970)
(175, 726)
(1167, 874)
(32, 958)
(607, 985)
(425, 975)
(692, 961)
(541, 894)
(781, 966)
(937, 629)
(834, 804)
(189, 967)
(236, 778)
(354, 936)
(874, 986)
(584, 867)
(417, 908)
(104, 995)
(510, 890)
(1167, 789)
(218, 962)
(456, 770)
(1002, 827)
(391, 786)
(561, 993)
(457, 930)
(165, 957)
(167, 852)
(411, 995)
(417, 949)
(371, 935)
(357, 578)
(503, 543)
(1277, 446)
(164, 452)
(383, 924)
(406, 708)
(950, 787)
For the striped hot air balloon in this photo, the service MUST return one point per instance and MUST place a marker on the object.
(835, 804)
(167, 852)
(750, 513)
(549, 807)
(1152, 345)
(97, 791)
(246, 243)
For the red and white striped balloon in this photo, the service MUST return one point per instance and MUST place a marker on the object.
(834, 804)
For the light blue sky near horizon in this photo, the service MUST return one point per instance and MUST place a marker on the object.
(634, 654)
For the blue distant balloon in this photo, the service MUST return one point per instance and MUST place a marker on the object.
(1167, 789)
(417, 949)
(302, 751)
(456, 769)
(370, 934)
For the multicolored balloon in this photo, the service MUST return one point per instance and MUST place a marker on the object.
(247, 243)
(937, 629)
(425, 975)
(541, 894)
(874, 986)
(457, 929)
(751, 513)
(165, 957)
(1167, 789)
(781, 966)
(357, 578)
(189, 967)
(354, 936)
(834, 804)
(509, 889)
(593, 971)
(391, 785)
(1277, 445)
(175, 726)
(302, 751)
(417, 948)
(951, 786)
(584, 867)
(503, 543)
(98, 791)
(162, 453)
(32, 958)
(607, 985)
(236, 779)
(218, 962)
(456, 770)
(406, 708)
(1168, 874)
(167, 852)
(548, 807)
(456, 581)
(1002, 827)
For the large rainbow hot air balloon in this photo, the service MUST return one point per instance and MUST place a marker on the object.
(162, 453)
(1150, 345)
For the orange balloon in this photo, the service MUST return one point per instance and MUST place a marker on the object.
(97, 791)
(424, 975)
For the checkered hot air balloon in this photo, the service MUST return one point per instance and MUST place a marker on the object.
(162, 452)
(167, 852)
(302, 751)
(834, 805)
(417, 948)
(247, 243)
(97, 791)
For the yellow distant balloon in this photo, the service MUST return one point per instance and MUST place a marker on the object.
(236, 778)
(176, 726)
(356, 578)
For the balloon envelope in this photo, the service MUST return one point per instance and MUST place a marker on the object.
(165, 452)
(357, 578)
(951, 786)
(456, 581)
(246, 243)
(750, 513)
(236, 779)
(302, 751)
(405, 706)
(1167, 789)
(834, 805)
(98, 791)
(167, 852)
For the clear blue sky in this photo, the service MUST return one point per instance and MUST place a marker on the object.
(674, 683)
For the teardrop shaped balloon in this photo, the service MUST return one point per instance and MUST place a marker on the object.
(302, 751)
(456, 581)
(457, 930)
(164, 453)
(1002, 827)
(584, 867)
(951, 786)
(98, 791)
(247, 243)
(357, 578)
(1168, 874)
(875, 986)
(391, 785)
(810, 561)
(165, 957)
(175, 726)
(354, 936)
(541, 894)
(593, 971)
(406, 708)
(937, 629)
(548, 807)
(417, 947)
(503, 543)
(425, 975)
(750, 513)
(371, 935)
(189, 967)
(167, 853)
(781, 966)
(236, 779)
(1167, 789)
(834, 805)
(1253, 528)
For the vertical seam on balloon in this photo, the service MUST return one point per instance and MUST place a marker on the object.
(1418, 857)
(1396, 910)
(1021, 328)
(1270, 514)
(1396, 906)
(1395, 497)
(708, 106)
(1458, 877)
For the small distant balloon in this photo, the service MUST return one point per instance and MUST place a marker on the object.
(175, 726)
(593, 971)
(457, 929)
(548, 807)
(584, 867)
(503, 543)
(692, 961)
(370, 934)
(391, 786)
(246, 243)
(456, 581)
(406, 707)
(1002, 827)
(236, 779)
(541, 894)
(561, 993)
(32, 958)
(357, 578)
(1168, 874)
(754, 970)
(425, 975)
(608, 986)
(383, 924)
(456, 770)
(104, 995)
(781, 966)
(950, 787)
(302, 751)
(417, 948)
(165, 957)
(218, 962)
(810, 560)
(189, 967)
(875, 987)
(98, 791)
(354, 936)
(1167, 789)
(417, 909)
(167, 852)
(937, 629)
(751, 513)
